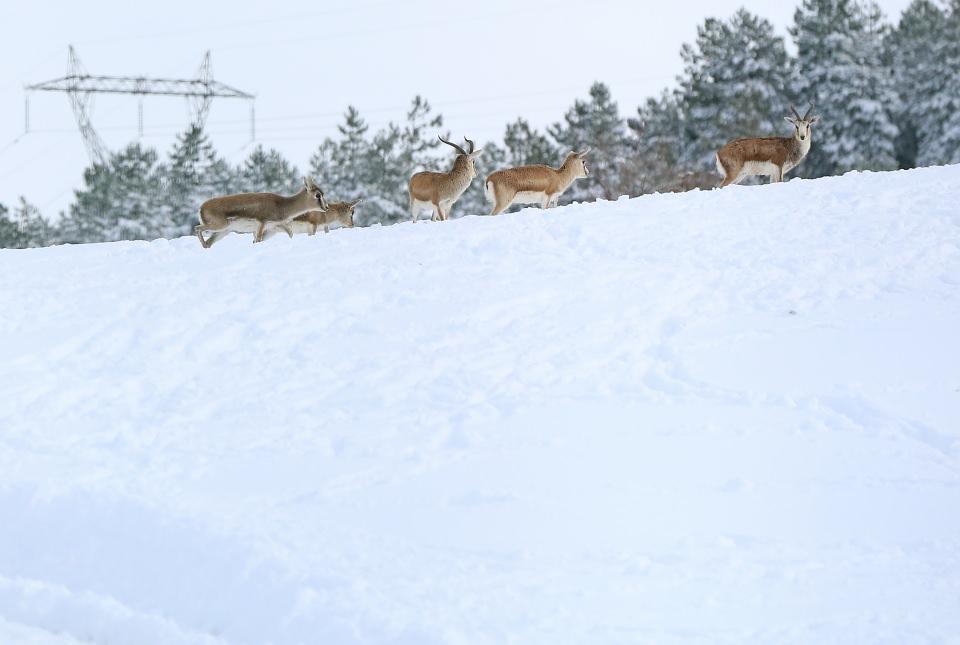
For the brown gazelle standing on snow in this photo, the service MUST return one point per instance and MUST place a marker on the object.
(770, 156)
(255, 212)
(339, 213)
(534, 184)
(439, 191)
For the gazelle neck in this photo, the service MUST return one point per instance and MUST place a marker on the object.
(299, 203)
(462, 171)
(567, 172)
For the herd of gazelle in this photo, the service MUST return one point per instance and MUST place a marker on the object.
(265, 214)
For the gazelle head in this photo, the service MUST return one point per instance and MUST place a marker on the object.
(802, 123)
(576, 159)
(467, 156)
(315, 193)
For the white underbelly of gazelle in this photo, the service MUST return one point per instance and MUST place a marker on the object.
(529, 197)
(420, 206)
(760, 168)
(299, 228)
(244, 225)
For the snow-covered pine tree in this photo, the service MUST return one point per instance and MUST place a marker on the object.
(943, 146)
(12, 229)
(34, 229)
(915, 50)
(120, 200)
(662, 162)
(193, 173)
(25, 228)
(840, 68)
(526, 145)
(734, 84)
(595, 124)
(268, 171)
(8, 229)
(343, 166)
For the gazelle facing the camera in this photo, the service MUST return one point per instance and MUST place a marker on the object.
(439, 191)
(770, 156)
(255, 212)
(337, 213)
(534, 184)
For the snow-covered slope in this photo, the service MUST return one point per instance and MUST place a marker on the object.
(712, 417)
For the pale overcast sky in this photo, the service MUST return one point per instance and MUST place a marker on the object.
(481, 65)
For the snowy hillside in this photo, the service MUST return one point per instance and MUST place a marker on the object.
(710, 417)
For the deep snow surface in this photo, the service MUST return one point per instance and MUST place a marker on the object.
(714, 417)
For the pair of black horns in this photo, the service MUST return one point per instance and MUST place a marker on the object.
(458, 148)
(805, 116)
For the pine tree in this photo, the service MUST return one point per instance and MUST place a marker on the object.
(268, 171)
(596, 124)
(940, 142)
(915, 50)
(119, 201)
(734, 84)
(342, 166)
(525, 146)
(26, 228)
(8, 230)
(35, 230)
(418, 143)
(192, 174)
(664, 148)
(840, 67)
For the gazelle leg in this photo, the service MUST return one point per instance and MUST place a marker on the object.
(198, 231)
(259, 235)
(501, 203)
(777, 176)
(217, 235)
(268, 233)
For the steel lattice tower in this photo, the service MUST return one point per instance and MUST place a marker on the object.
(80, 87)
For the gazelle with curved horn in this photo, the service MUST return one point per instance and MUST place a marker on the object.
(770, 156)
(255, 212)
(534, 184)
(439, 191)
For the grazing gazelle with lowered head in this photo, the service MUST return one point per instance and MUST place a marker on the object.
(534, 184)
(255, 212)
(438, 191)
(337, 213)
(770, 156)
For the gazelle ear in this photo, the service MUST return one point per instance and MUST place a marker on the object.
(356, 203)
(476, 153)
(790, 120)
(306, 183)
(814, 119)
(583, 153)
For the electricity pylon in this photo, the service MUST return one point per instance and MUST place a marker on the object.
(81, 86)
